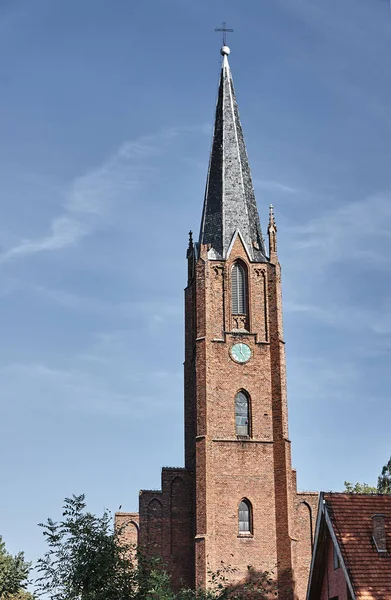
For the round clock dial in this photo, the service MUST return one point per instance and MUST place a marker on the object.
(241, 353)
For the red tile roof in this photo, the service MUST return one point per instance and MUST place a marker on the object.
(350, 514)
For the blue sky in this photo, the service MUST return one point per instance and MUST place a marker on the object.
(106, 111)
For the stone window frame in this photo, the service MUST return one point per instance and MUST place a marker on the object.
(250, 531)
(240, 265)
(249, 415)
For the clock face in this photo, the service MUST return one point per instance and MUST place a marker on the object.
(241, 353)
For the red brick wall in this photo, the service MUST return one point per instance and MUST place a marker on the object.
(306, 508)
(227, 468)
(192, 523)
(334, 582)
(128, 525)
(166, 524)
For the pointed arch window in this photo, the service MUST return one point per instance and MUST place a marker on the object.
(238, 289)
(245, 517)
(242, 414)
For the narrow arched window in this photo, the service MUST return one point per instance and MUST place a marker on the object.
(238, 287)
(242, 414)
(245, 517)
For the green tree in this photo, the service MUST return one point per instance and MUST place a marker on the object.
(21, 595)
(257, 585)
(14, 571)
(384, 479)
(87, 558)
(359, 488)
(383, 483)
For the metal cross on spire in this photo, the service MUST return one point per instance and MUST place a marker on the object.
(225, 30)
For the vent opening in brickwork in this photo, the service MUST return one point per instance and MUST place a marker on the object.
(242, 414)
(238, 287)
(245, 517)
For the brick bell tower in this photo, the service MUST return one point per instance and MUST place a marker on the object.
(236, 500)
(247, 511)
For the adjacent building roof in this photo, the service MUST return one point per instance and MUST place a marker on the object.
(352, 521)
(229, 206)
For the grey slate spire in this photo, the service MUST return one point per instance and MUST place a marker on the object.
(229, 205)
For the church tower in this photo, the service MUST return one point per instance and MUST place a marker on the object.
(235, 502)
(235, 394)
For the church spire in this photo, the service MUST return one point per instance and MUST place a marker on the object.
(229, 205)
(272, 233)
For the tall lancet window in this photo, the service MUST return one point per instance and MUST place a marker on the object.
(242, 414)
(238, 285)
(245, 517)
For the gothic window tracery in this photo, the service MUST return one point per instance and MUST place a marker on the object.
(245, 517)
(238, 289)
(242, 414)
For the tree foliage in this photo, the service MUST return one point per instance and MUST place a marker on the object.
(359, 488)
(88, 559)
(257, 585)
(383, 483)
(20, 595)
(14, 571)
(384, 479)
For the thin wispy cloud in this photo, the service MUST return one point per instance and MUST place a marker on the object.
(93, 195)
(8, 286)
(347, 317)
(93, 235)
(81, 391)
(318, 15)
(275, 186)
(327, 381)
(359, 44)
(158, 309)
(347, 233)
(64, 231)
(96, 191)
